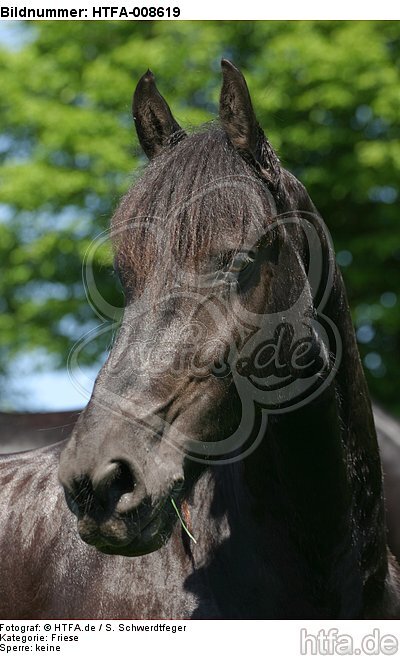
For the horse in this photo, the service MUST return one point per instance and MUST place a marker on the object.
(24, 431)
(226, 465)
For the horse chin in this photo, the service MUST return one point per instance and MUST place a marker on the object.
(135, 548)
(149, 540)
(115, 538)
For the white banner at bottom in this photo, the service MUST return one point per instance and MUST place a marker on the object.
(200, 637)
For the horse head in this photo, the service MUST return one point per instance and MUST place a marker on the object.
(214, 248)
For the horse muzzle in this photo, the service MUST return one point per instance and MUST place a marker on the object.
(134, 534)
(115, 512)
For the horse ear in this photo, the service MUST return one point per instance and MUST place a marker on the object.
(240, 123)
(155, 125)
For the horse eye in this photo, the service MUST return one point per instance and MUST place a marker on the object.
(241, 261)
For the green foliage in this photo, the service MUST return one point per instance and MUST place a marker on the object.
(327, 94)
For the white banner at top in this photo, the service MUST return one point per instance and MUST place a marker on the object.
(136, 10)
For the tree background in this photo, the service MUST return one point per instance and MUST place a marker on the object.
(326, 93)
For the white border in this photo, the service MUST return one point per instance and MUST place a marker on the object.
(225, 9)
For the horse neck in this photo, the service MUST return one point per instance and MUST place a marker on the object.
(306, 490)
(305, 463)
(317, 480)
(360, 446)
(283, 514)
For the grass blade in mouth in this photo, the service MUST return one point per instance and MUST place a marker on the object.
(185, 528)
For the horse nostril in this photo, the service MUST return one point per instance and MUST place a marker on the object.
(110, 488)
(79, 495)
(112, 482)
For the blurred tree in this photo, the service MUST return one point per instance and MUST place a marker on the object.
(327, 94)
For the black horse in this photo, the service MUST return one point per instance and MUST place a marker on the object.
(233, 398)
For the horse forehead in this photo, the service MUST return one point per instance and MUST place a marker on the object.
(179, 315)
